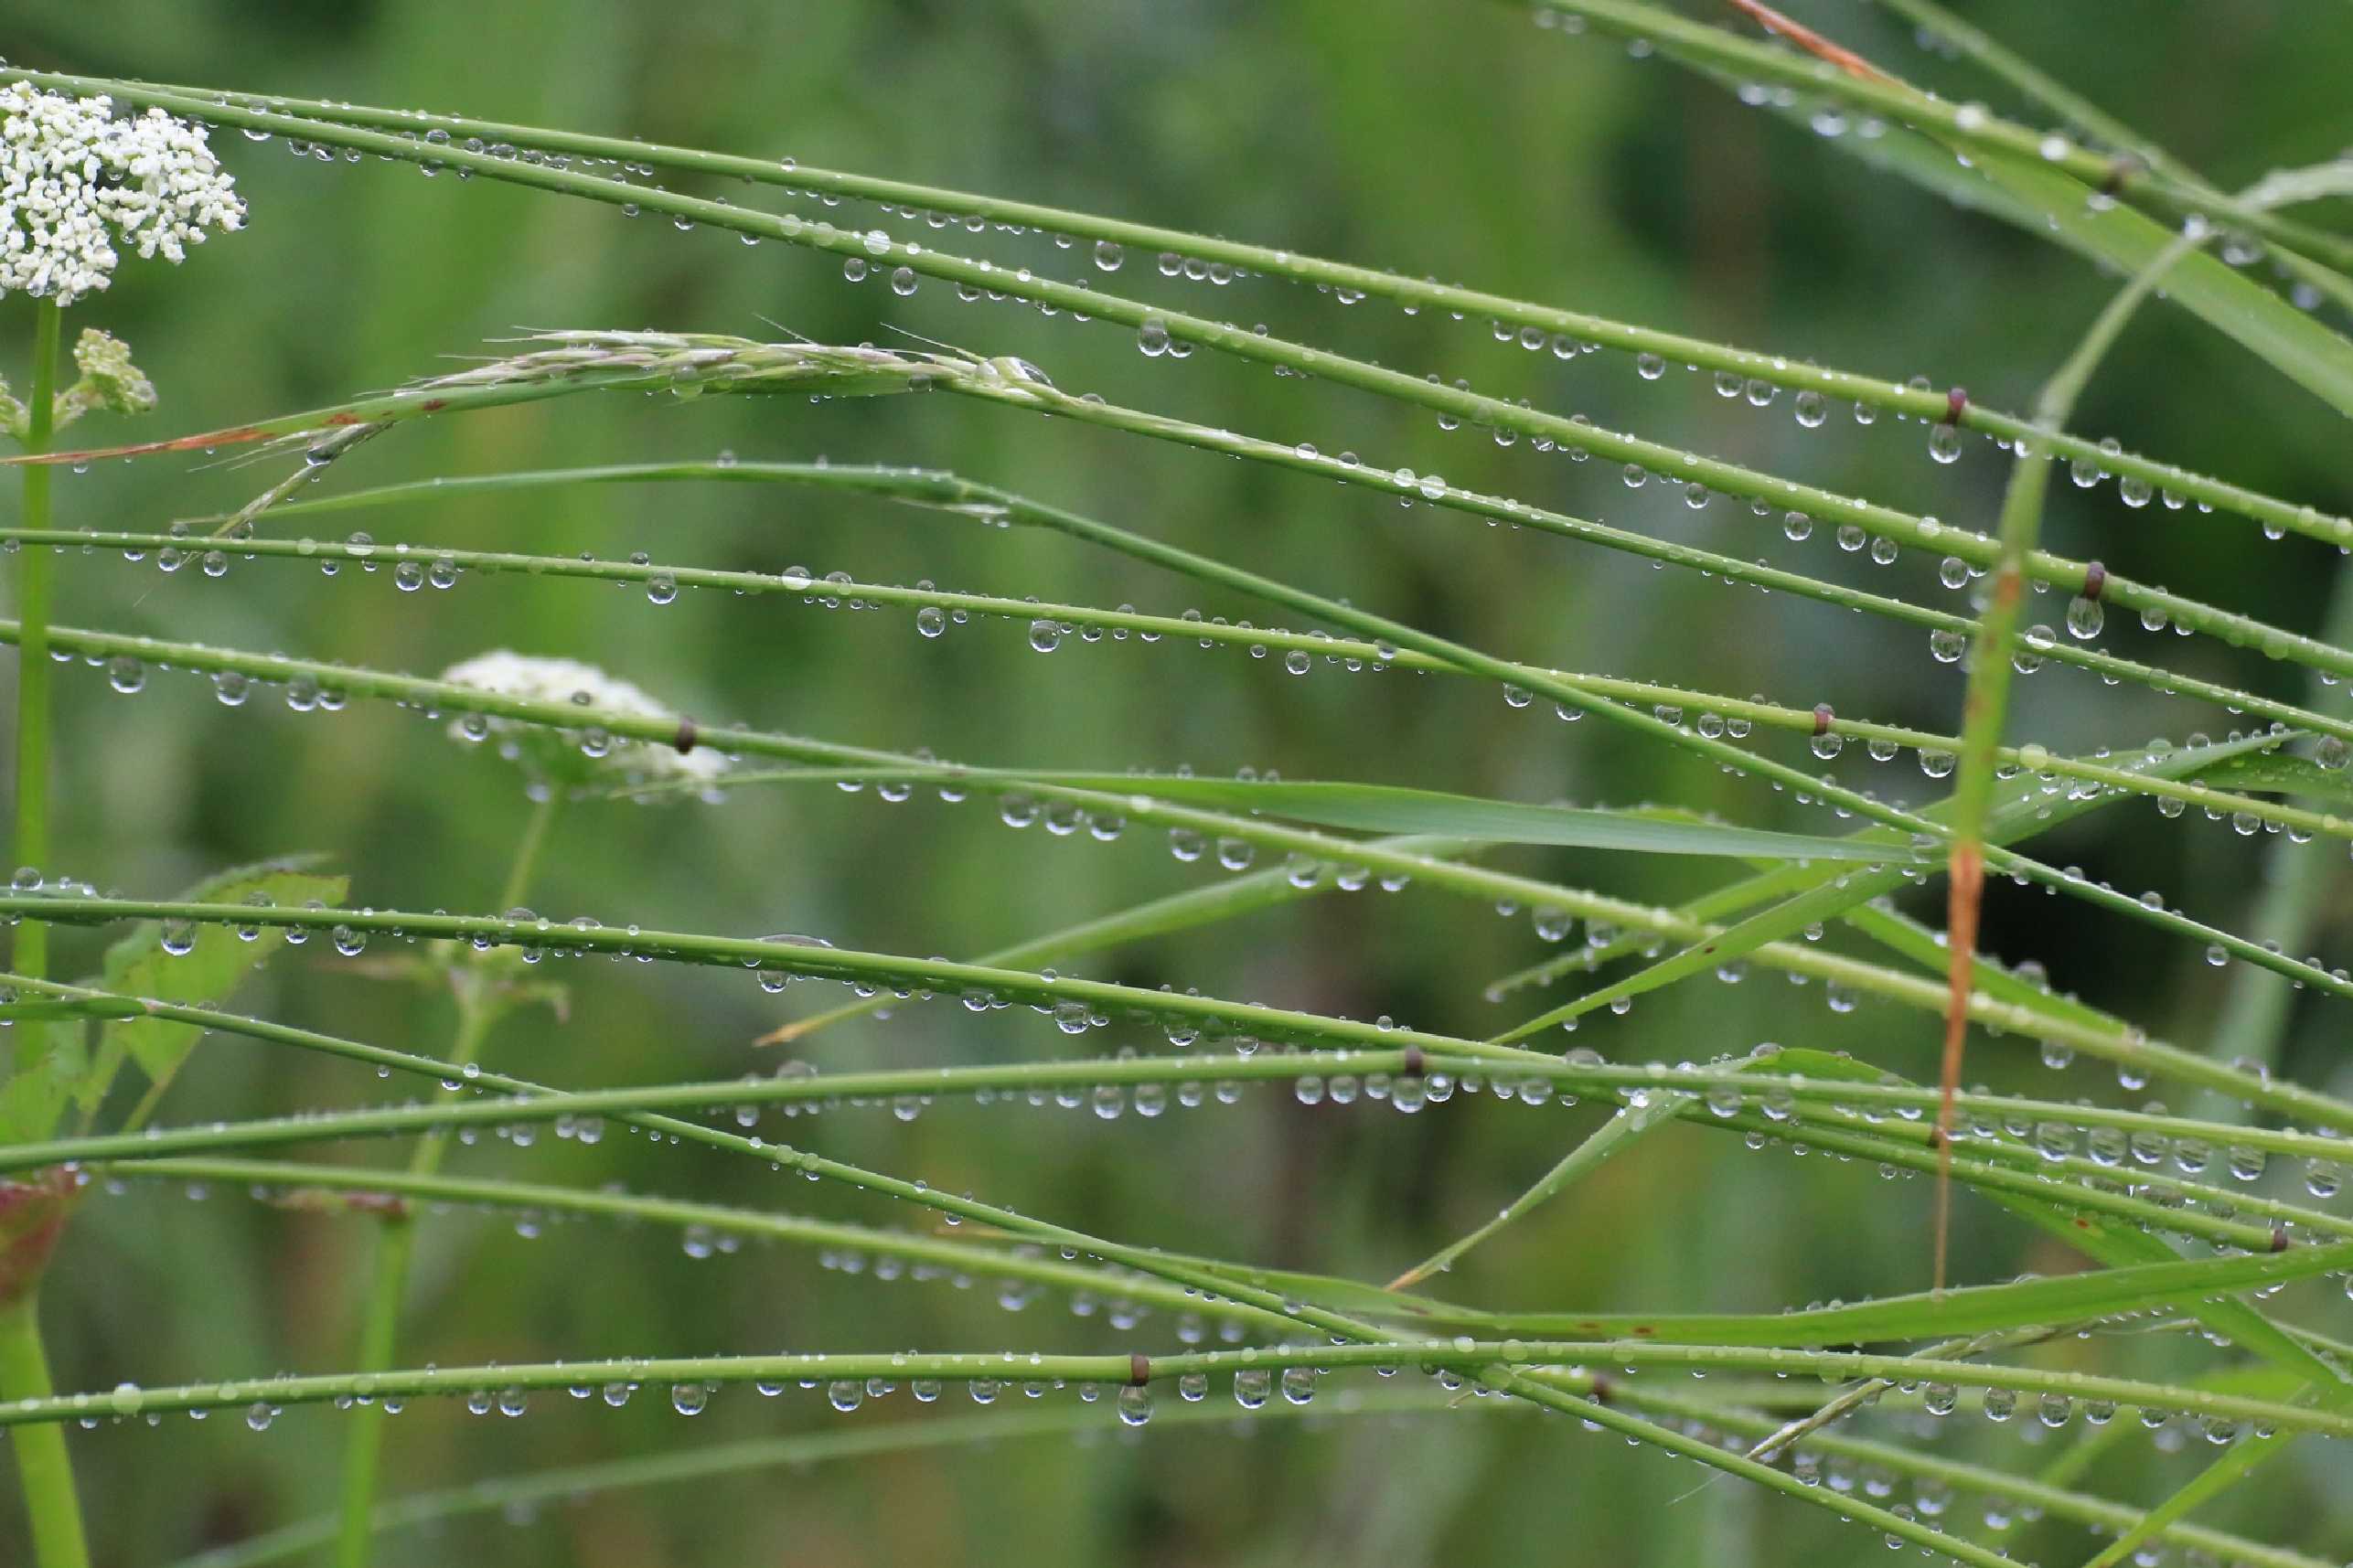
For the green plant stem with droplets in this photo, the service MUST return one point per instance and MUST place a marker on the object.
(33, 600)
(43, 1464)
(477, 1009)
(1414, 294)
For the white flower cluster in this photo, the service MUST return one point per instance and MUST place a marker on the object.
(589, 752)
(74, 179)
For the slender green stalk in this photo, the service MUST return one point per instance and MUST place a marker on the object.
(948, 492)
(43, 1464)
(1967, 125)
(44, 1469)
(35, 575)
(893, 971)
(396, 1239)
(1835, 1102)
(1985, 704)
(608, 361)
(2037, 1304)
(1561, 327)
(460, 699)
(1371, 1349)
(857, 1440)
(2254, 1023)
(1259, 642)
(525, 1492)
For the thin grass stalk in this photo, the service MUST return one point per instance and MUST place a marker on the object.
(44, 1467)
(1775, 370)
(525, 1492)
(396, 1239)
(438, 696)
(949, 493)
(1259, 640)
(1985, 704)
(1811, 1098)
(1496, 414)
(35, 589)
(1964, 126)
(1369, 1348)
(2132, 1290)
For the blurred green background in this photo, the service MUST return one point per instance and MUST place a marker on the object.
(1449, 139)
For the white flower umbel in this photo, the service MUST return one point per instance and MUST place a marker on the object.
(582, 755)
(75, 180)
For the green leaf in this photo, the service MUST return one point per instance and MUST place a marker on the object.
(1389, 808)
(2280, 772)
(208, 972)
(35, 1093)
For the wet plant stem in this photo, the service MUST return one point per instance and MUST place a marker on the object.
(33, 608)
(478, 1007)
(43, 1466)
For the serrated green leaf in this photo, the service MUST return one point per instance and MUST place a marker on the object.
(36, 1095)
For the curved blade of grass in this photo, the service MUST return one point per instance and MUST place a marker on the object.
(1960, 125)
(2072, 107)
(2297, 345)
(340, 1189)
(2050, 1304)
(1390, 809)
(2285, 774)
(2226, 1471)
(2019, 1304)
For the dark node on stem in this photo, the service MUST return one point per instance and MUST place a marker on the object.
(2279, 1238)
(1822, 717)
(1415, 1062)
(685, 739)
(1139, 1369)
(1936, 1137)
(1955, 401)
(1604, 1391)
(2095, 578)
(2120, 168)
